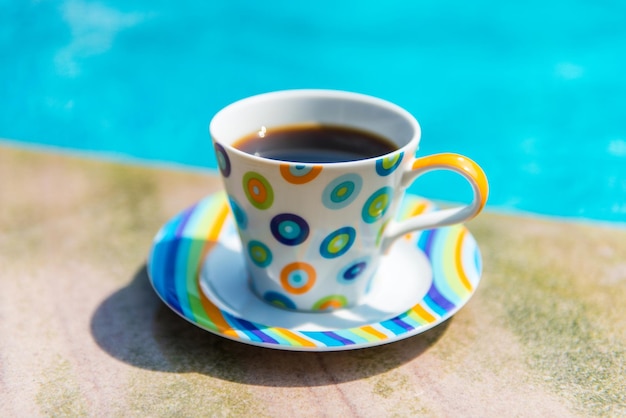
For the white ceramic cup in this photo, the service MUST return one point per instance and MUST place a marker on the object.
(313, 234)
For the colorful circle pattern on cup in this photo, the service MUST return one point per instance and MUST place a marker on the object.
(337, 243)
(259, 253)
(387, 165)
(258, 190)
(330, 302)
(353, 271)
(342, 191)
(289, 229)
(223, 161)
(278, 299)
(377, 204)
(240, 215)
(299, 173)
(298, 277)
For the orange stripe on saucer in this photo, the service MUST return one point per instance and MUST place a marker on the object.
(213, 313)
(371, 330)
(291, 336)
(423, 313)
(458, 253)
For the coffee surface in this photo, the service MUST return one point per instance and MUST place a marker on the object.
(315, 144)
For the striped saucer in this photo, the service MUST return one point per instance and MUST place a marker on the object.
(196, 268)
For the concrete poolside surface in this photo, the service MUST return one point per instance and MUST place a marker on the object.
(83, 333)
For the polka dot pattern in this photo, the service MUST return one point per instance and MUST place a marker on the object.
(306, 227)
(297, 278)
(299, 173)
(387, 165)
(342, 191)
(338, 242)
(377, 204)
(223, 162)
(240, 215)
(279, 300)
(289, 229)
(353, 271)
(259, 253)
(258, 190)
(330, 302)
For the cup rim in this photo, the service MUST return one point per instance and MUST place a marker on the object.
(319, 93)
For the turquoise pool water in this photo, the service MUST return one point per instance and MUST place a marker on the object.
(534, 91)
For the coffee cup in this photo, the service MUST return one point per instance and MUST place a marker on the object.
(313, 178)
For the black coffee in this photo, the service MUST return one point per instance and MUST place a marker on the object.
(315, 144)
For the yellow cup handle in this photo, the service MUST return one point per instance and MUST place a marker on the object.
(447, 161)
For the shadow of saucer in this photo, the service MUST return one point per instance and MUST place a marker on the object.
(134, 326)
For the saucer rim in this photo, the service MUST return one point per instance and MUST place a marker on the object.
(384, 334)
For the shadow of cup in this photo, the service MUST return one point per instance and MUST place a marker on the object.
(134, 326)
